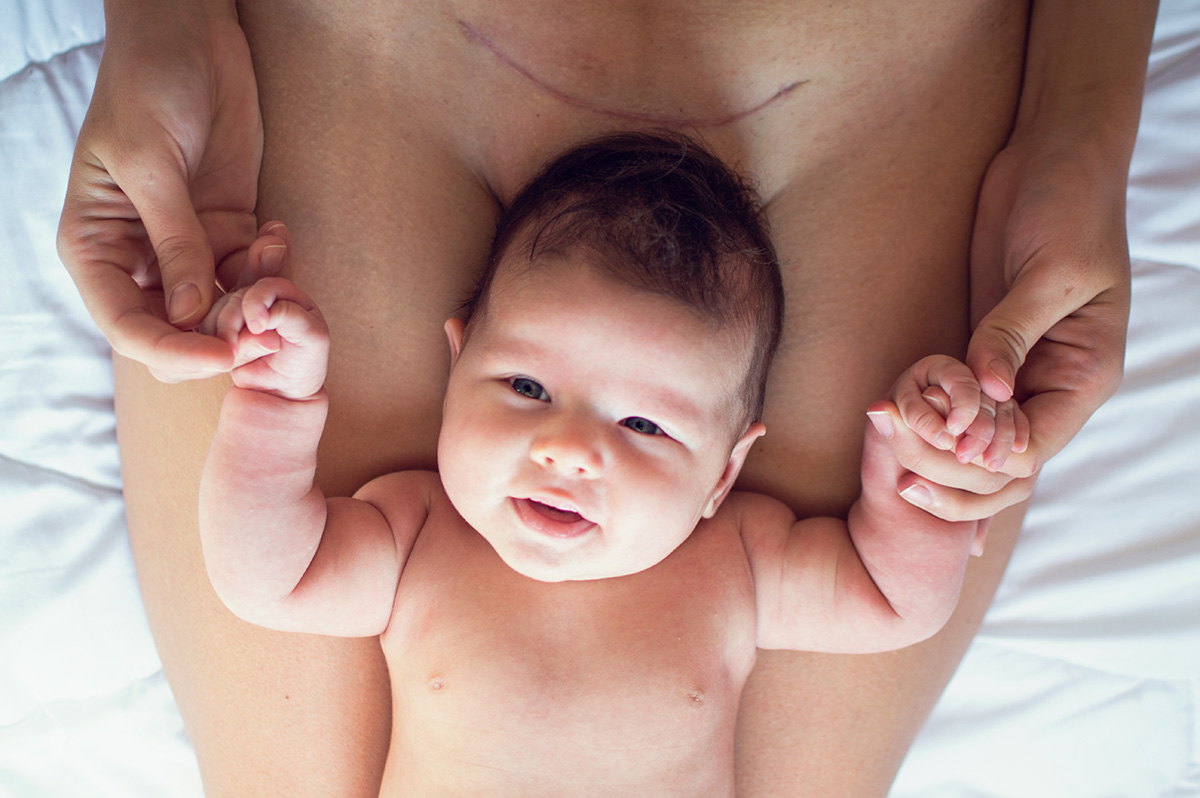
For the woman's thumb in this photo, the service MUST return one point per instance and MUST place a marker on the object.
(1003, 338)
(185, 259)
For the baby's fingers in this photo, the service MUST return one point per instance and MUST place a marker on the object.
(277, 304)
(1021, 426)
(938, 398)
(991, 440)
(1003, 442)
(251, 346)
(982, 432)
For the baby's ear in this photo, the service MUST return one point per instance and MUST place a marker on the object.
(454, 333)
(733, 467)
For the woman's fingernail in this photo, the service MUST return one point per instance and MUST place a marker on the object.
(1002, 372)
(882, 421)
(272, 258)
(918, 495)
(183, 302)
(944, 441)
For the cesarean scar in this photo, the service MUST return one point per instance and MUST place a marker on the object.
(478, 37)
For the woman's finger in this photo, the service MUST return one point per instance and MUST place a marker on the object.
(268, 256)
(156, 182)
(952, 504)
(916, 455)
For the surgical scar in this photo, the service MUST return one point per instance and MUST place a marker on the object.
(478, 37)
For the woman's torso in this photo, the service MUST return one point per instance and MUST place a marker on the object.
(866, 126)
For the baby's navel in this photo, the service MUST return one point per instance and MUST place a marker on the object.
(437, 684)
(696, 698)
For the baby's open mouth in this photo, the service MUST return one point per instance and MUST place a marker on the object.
(557, 519)
(560, 514)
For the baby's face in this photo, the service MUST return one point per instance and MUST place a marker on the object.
(588, 425)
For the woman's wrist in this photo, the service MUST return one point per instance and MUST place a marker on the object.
(120, 7)
(126, 16)
(1084, 77)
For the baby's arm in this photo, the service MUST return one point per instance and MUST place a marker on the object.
(278, 553)
(890, 575)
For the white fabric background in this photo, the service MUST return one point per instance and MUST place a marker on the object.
(1083, 683)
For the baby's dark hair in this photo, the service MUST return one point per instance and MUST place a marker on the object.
(660, 213)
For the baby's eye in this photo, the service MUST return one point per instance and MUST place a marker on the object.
(641, 425)
(527, 387)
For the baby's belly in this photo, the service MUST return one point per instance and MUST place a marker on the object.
(507, 686)
(505, 726)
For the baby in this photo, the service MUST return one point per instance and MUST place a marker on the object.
(572, 604)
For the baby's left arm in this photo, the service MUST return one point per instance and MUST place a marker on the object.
(890, 575)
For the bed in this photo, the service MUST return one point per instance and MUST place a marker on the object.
(1084, 682)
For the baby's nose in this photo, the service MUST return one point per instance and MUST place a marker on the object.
(571, 450)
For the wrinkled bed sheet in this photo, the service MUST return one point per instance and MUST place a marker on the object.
(1082, 683)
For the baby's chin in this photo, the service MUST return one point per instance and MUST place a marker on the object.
(565, 568)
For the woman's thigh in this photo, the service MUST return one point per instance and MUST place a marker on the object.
(267, 713)
(876, 278)
(875, 260)
(388, 231)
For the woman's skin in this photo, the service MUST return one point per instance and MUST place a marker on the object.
(392, 136)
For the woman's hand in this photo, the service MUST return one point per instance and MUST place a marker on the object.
(1050, 289)
(1049, 258)
(1050, 305)
(160, 202)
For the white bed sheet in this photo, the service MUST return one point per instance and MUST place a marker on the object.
(84, 707)
(1083, 682)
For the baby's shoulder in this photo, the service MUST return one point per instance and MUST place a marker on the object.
(399, 484)
(406, 498)
(748, 521)
(747, 510)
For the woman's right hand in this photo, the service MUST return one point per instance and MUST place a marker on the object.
(160, 202)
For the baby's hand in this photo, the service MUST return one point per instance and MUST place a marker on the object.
(278, 335)
(953, 440)
(940, 400)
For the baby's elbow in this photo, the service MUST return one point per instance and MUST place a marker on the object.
(243, 601)
(243, 609)
(917, 627)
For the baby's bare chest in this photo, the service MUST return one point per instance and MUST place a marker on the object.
(504, 683)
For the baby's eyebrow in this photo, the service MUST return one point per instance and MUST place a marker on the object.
(511, 348)
(674, 406)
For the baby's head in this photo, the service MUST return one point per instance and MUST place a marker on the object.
(608, 376)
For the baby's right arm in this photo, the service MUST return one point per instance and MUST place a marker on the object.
(278, 553)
